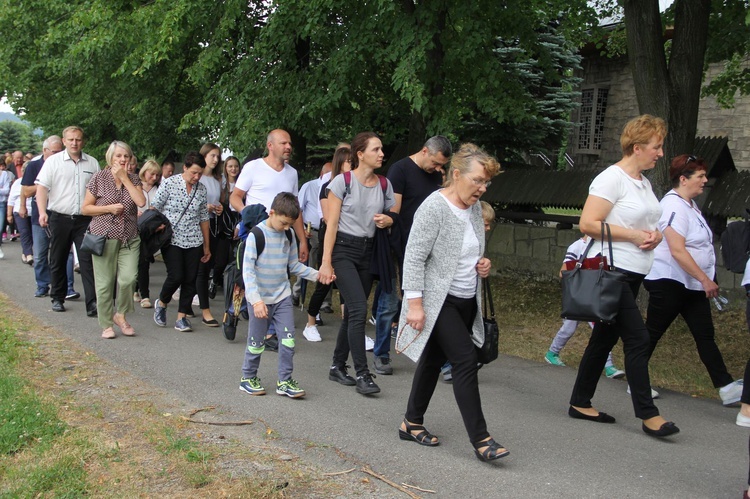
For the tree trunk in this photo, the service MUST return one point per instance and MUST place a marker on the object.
(669, 92)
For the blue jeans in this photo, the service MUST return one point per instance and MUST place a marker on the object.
(3, 222)
(385, 316)
(41, 257)
(71, 272)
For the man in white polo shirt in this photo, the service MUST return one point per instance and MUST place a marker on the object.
(61, 188)
(263, 178)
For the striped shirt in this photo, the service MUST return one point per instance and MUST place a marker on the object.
(266, 277)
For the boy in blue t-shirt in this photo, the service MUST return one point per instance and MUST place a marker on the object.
(268, 291)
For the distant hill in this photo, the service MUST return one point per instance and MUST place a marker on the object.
(10, 117)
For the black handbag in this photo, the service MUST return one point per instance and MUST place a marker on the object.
(593, 295)
(489, 349)
(93, 243)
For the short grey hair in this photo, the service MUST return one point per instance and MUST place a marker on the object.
(52, 139)
(439, 144)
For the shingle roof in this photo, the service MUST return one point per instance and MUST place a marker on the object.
(532, 187)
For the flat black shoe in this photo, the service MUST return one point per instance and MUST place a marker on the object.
(667, 429)
(493, 450)
(91, 312)
(339, 375)
(424, 437)
(211, 323)
(229, 325)
(602, 417)
(57, 306)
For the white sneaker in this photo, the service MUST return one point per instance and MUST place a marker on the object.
(136, 296)
(369, 343)
(731, 394)
(196, 301)
(2, 255)
(654, 393)
(311, 333)
(743, 420)
(176, 294)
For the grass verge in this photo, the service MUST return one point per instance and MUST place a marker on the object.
(528, 313)
(72, 425)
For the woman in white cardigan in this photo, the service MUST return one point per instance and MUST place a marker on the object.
(441, 318)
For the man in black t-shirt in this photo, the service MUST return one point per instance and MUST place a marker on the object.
(413, 178)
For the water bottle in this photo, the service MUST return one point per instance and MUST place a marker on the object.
(720, 302)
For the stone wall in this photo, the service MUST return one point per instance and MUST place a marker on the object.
(539, 251)
(622, 105)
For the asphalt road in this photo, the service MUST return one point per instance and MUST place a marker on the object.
(525, 405)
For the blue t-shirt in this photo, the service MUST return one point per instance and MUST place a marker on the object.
(29, 176)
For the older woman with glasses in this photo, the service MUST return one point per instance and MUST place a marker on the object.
(441, 318)
(681, 281)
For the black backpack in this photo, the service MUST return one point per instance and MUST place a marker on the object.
(735, 245)
(260, 245)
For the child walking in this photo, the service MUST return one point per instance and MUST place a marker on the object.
(568, 327)
(269, 252)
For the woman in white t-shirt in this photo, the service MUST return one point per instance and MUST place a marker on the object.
(211, 179)
(354, 212)
(622, 197)
(681, 280)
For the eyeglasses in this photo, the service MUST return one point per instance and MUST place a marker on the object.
(689, 159)
(479, 182)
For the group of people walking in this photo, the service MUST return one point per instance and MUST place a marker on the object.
(420, 229)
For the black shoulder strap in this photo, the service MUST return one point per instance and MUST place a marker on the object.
(260, 240)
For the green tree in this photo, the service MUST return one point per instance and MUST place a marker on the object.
(15, 136)
(164, 74)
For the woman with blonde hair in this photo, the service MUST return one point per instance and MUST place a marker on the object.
(150, 176)
(113, 197)
(621, 196)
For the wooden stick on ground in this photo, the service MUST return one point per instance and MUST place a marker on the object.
(339, 472)
(218, 423)
(418, 488)
(406, 491)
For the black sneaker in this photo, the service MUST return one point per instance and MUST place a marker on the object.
(365, 384)
(272, 343)
(318, 320)
(383, 366)
(57, 306)
(326, 309)
(339, 375)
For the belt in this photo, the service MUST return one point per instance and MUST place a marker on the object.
(344, 237)
(65, 215)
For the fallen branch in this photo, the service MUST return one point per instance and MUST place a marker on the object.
(217, 423)
(196, 411)
(406, 491)
(339, 472)
(418, 488)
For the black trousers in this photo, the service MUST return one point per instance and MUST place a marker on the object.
(204, 269)
(65, 230)
(144, 266)
(451, 340)
(351, 261)
(668, 299)
(182, 267)
(635, 341)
